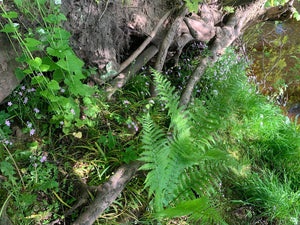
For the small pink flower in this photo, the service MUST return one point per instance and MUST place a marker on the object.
(7, 123)
(43, 159)
(32, 131)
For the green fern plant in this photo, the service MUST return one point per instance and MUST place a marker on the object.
(181, 168)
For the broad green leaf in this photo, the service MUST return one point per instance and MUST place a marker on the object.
(35, 62)
(18, 2)
(60, 33)
(10, 15)
(51, 19)
(61, 17)
(20, 74)
(22, 58)
(10, 28)
(54, 52)
(58, 75)
(8, 170)
(76, 87)
(53, 85)
(71, 63)
(44, 68)
(31, 42)
(186, 208)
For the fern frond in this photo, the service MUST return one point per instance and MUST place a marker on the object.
(200, 211)
(179, 119)
(178, 165)
(155, 155)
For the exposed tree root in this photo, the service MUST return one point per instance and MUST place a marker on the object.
(225, 36)
(127, 74)
(138, 51)
(165, 45)
(108, 192)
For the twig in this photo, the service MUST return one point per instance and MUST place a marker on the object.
(106, 5)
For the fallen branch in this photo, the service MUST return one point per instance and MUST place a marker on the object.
(108, 192)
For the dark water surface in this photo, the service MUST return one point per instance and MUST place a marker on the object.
(275, 69)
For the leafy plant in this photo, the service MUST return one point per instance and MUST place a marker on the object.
(192, 5)
(57, 77)
(176, 164)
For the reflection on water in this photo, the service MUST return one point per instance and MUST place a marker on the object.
(274, 55)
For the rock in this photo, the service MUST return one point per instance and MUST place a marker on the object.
(8, 80)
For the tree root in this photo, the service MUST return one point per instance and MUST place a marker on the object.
(138, 51)
(164, 47)
(225, 36)
(108, 192)
(127, 74)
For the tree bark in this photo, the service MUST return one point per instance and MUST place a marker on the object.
(107, 193)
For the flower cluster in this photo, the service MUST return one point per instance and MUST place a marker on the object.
(132, 124)
(32, 131)
(126, 103)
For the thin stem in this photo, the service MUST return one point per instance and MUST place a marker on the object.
(18, 170)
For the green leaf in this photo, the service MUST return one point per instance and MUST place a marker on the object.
(42, 1)
(186, 208)
(31, 42)
(296, 16)
(71, 63)
(10, 28)
(27, 199)
(8, 170)
(48, 61)
(61, 17)
(10, 15)
(51, 19)
(61, 34)
(18, 2)
(35, 62)
(54, 52)
(192, 5)
(44, 68)
(20, 74)
(22, 58)
(41, 80)
(58, 75)
(53, 85)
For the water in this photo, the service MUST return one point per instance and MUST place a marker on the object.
(273, 54)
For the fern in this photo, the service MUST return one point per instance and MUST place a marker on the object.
(155, 155)
(180, 166)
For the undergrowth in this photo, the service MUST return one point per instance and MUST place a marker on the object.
(231, 149)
